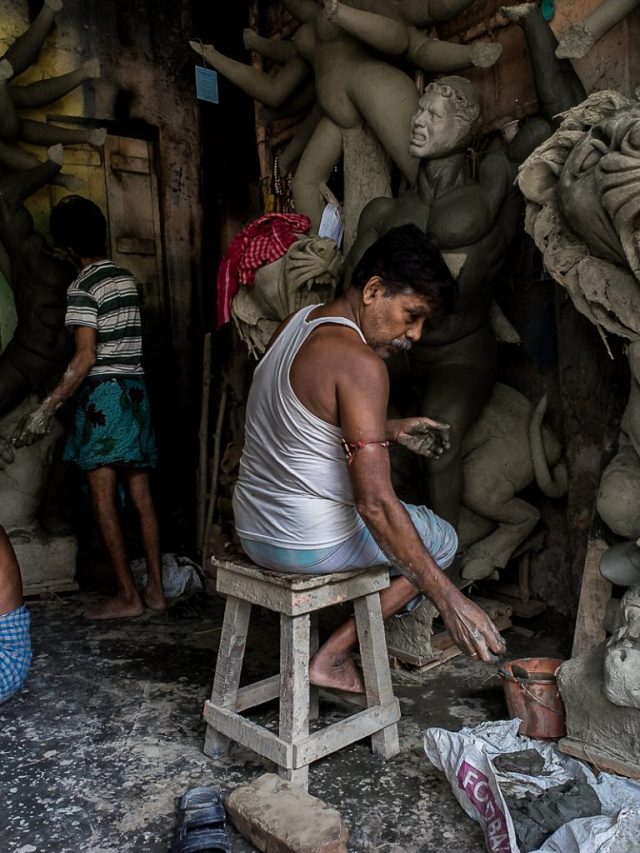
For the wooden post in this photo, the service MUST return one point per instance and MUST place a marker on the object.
(203, 435)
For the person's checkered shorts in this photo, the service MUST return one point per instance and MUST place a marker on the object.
(15, 651)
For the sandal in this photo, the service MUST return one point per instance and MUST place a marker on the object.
(202, 824)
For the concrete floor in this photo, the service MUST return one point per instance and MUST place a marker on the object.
(108, 734)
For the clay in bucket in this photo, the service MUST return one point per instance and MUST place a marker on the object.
(531, 691)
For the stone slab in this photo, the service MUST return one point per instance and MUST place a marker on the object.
(278, 817)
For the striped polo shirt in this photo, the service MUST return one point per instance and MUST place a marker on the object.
(105, 297)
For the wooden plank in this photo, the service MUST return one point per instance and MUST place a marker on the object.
(375, 668)
(295, 635)
(314, 645)
(344, 733)
(258, 693)
(595, 592)
(601, 760)
(228, 668)
(445, 655)
(289, 581)
(243, 731)
(294, 602)
(523, 610)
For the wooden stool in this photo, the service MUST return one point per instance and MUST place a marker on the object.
(297, 598)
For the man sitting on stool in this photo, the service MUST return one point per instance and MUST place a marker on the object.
(314, 494)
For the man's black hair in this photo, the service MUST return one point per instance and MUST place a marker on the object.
(78, 224)
(404, 258)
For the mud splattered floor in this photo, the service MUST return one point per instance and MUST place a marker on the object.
(108, 734)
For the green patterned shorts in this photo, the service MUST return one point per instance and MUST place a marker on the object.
(112, 425)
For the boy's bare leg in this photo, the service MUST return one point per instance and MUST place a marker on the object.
(126, 603)
(140, 491)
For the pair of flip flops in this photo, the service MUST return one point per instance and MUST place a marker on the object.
(202, 824)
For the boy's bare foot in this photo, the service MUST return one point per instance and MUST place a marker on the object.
(116, 608)
(154, 598)
(339, 673)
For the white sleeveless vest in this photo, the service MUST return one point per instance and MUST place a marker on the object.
(293, 489)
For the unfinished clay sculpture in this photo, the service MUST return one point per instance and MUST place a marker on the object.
(622, 654)
(583, 201)
(506, 450)
(340, 50)
(306, 275)
(473, 219)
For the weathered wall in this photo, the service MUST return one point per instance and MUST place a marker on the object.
(147, 81)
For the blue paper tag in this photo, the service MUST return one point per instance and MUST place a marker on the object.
(207, 84)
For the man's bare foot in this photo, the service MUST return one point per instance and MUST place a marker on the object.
(337, 673)
(116, 608)
(154, 598)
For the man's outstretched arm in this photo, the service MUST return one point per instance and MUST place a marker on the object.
(362, 399)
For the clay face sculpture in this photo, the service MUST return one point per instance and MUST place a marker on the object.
(622, 654)
(445, 118)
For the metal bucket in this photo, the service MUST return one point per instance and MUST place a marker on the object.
(536, 701)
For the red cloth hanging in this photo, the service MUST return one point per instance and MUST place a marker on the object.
(259, 243)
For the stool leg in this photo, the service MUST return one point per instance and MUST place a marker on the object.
(228, 668)
(375, 667)
(314, 645)
(294, 688)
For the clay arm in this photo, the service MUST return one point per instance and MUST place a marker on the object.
(16, 225)
(35, 425)
(43, 92)
(442, 56)
(362, 393)
(259, 85)
(581, 36)
(377, 31)
(275, 50)
(9, 121)
(16, 159)
(303, 10)
(25, 49)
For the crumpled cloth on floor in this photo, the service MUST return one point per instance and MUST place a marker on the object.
(179, 575)
(261, 242)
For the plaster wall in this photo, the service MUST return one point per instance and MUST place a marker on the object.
(147, 77)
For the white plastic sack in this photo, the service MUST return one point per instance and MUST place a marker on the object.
(465, 757)
(179, 574)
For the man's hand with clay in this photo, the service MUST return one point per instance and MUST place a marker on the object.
(421, 435)
(32, 427)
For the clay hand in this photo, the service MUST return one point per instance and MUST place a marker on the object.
(330, 9)
(6, 453)
(424, 436)
(470, 627)
(31, 428)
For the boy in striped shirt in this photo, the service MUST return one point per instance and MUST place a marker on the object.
(112, 433)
